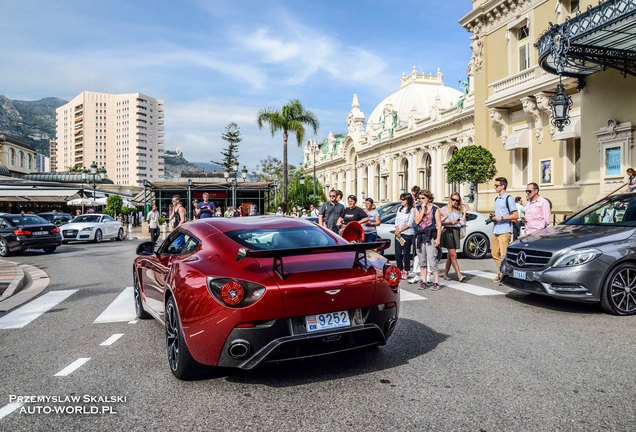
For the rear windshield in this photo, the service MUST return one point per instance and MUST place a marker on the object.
(22, 220)
(285, 238)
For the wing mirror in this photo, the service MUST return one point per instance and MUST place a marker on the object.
(146, 248)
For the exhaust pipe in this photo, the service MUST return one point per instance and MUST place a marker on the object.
(389, 326)
(239, 349)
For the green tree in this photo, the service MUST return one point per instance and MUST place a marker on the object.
(292, 118)
(473, 164)
(270, 169)
(113, 206)
(230, 154)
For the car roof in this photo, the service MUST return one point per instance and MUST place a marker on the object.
(224, 224)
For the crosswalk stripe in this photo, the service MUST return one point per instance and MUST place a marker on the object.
(9, 408)
(111, 340)
(122, 309)
(32, 310)
(480, 273)
(409, 296)
(472, 289)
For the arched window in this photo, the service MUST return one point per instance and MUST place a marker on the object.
(426, 181)
(28, 161)
(405, 176)
(21, 159)
(11, 157)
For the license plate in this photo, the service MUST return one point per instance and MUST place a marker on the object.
(40, 232)
(327, 321)
(519, 274)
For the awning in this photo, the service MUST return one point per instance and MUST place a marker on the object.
(33, 192)
(602, 37)
(518, 139)
(573, 130)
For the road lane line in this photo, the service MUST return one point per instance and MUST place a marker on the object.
(122, 309)
(133, 322)
(9, 408)
(409, 296)
(34, 309)
(111, 340)
(73, 366)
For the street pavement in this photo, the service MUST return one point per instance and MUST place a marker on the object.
(473, 356)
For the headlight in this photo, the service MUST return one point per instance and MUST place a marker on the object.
(578, 257)
(88, 229)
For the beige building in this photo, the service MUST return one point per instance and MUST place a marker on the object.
(407, 140)
(16, 158)
(585, 160)
(121, 132)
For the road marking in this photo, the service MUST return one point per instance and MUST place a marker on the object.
(9, 408)
(73, 366)
(133, 322)
(480, 273)
(122, 309)
(111, 340)
(409, 296)
(472, 289)
(32, 310)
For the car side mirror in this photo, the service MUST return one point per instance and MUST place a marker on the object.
(146, 248)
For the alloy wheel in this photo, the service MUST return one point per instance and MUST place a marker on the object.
(4, 248)
(172, 336)
(98, 236)
(476, 246)
(622, 291)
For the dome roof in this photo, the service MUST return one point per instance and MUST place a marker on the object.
(417, 96)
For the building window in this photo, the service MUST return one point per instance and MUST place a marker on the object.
(573, 160)
(21, 159)
(520, 164)
(613, 161)
(523, 44)
(575, 6)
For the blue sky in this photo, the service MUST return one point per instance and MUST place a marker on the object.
(218, 61)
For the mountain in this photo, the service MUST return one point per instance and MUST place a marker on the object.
(32, 122)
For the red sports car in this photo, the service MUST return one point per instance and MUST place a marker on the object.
(237, 292)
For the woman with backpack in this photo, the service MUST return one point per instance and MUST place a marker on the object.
(428, 231)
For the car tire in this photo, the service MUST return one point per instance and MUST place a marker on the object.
(98, 236)
(120, 234)
(139, 306)
(181, 363)
(49, 250)
(4, 248)
(476, 246)
(618, 296)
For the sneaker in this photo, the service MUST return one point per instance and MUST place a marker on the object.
(414, 279)
(497, 278)
(405, 275)
(423, 285)
(435, 287)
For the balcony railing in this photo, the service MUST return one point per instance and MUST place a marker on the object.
(518, 79)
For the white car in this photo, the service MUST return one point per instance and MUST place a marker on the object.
(475, 245)
(92, 227)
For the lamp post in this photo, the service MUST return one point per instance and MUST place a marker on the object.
(302, 190)
(231, 178)
(275, 194)
(314, 149)
(189, 199)
(94, 174)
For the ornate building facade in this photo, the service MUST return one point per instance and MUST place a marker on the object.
(407, 140)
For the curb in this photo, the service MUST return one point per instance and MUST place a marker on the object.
(13, 273)
(32, 282)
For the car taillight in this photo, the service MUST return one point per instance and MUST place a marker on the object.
(55, 230)
(392, 275)
(21, 232)
(232, 293)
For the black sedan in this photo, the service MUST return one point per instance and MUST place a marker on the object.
(21, 232)
(57, 218)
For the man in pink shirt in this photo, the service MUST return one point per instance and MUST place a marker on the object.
(537, 211)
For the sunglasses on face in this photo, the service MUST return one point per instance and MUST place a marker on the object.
(454, 200)
(497, 184)
(332, 196)
(529, 190)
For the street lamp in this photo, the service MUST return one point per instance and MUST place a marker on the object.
(94, 174)
(561, 104)
(189, 199)
(302, 190)
(231, 178)
(275, 192)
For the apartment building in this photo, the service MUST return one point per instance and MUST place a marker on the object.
(121, 132)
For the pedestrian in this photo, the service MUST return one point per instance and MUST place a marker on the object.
(537, 211)
(279, 211)
(78, 212)
(229, 212)
(353, 213)
(415, 191)
(516, 227)
(206, 207)
(453, 216)
(153, 223)
(404, 221)
(330, 212)
(218, 212)
(631, 180)
(178, 212)
(428, 224)
(370, 230)
(195, 209)
(505, 214)
(313, 211)
(339, 195)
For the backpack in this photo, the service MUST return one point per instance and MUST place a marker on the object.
(514, 221)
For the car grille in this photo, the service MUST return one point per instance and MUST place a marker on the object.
(532, 286)
(70, 233)
(531, 259)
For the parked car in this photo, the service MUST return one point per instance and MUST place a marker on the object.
(238, 292)
(475, 245)
(92, 227)
(57, 218)
(21, 232)
(591, 257)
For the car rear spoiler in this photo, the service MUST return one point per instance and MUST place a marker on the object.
(278, 254)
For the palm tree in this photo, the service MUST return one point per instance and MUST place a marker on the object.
(290, 119)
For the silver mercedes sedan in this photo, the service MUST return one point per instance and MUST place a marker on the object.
(591, 257)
